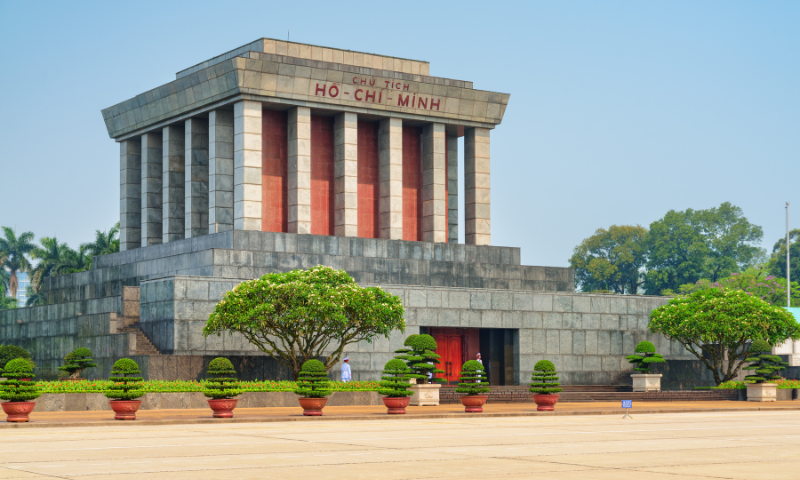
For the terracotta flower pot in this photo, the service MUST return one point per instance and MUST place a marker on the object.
(312, 407)
(473, 403)
(125, 409)
(545, 402)
(18, 411)
(396, 405)
(222, 407)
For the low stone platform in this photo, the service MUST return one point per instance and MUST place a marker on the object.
(82, 402)
(594, 393)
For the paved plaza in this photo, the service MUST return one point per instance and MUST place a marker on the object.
(705, 445)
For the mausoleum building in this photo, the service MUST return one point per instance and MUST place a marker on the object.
(280, 155)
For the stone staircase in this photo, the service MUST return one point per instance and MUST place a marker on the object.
(139, 343)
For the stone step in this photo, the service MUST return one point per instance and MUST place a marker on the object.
(143, 344)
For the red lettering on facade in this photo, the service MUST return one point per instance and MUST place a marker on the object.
(414, 102)
(435, 103)
(363, 81)
(405, 86)
(330, 91)
(372, 82)
(356, 94)
(380, 97)
(320, 89)
(372, 95)
(387, 83)
(401, 102)
(423, 103)
(355, 80)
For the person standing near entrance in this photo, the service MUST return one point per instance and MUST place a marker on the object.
(346, 375)
(485, 368)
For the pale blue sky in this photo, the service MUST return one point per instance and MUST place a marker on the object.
(619, 111)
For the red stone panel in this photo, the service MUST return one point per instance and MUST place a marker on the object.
(322, 220)
(274, 169)
(412, 183)
(368, 180)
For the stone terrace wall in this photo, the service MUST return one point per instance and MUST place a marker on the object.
(586, 336)
(50, 332)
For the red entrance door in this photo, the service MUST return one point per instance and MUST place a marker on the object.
(450, 349)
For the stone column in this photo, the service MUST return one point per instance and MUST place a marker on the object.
(196, 194)
(220, 171)
(151, 188)
(299, 170)
(390, 165)
(345, 174)
(174, 183)
(247, 165)
(452, 189)
(434, 176)
(130, 194)
(476, 187)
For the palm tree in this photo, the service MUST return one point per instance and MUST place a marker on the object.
(50, 255)
(13, 251)
(104, 242)
(35, 298)
(5, 277)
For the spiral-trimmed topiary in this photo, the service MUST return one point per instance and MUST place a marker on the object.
(13, 388)
(765, 364)
(76, 361)
(472, 379)
(127, 386)
(421, 358)
(313, 380)
(222, 384)
(394, 382)
(645, 355)
(544, 380)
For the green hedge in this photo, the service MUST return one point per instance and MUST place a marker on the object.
(783, 383)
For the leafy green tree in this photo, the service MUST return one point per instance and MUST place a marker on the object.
(421, 358)
(754, 281)
(777, 261)
(222, 383)
(473, 379)
(644, 356)
(104, 242)
(611, 259)
(395, 379)
(14, 251)
(313, 382)
(127, 382)
(765, 364)
(11, 352)
(304, 314)
(715, 326)
(7, 303)
(687, 246)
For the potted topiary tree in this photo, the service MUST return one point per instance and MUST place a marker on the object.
(395, 387)
(313, 387)
(766, 367)
(544, 385)
(421, 358)
(221, 388)
(18, 392)
(644, 356)
(472, 381)
(77, 361)
(125, 391)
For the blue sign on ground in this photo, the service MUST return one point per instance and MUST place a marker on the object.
(627, 404)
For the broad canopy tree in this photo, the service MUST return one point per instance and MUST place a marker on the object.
(306, 314)
(611, 259)
(716, 326)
